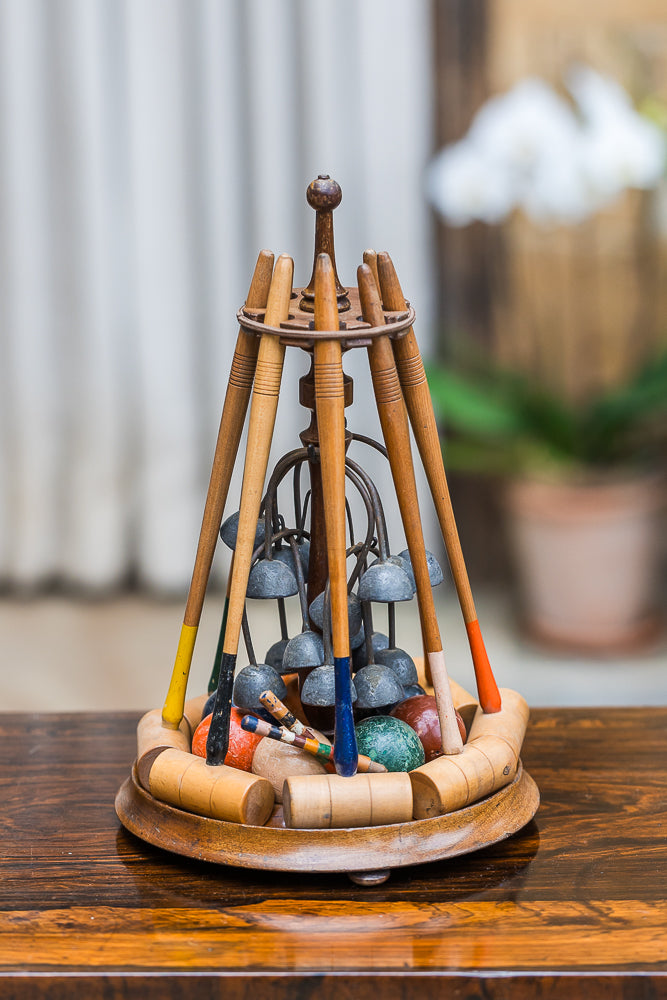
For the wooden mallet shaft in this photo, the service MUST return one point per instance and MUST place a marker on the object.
(263, 409)
(396, 433)
(229, 434)
(330, 411)
(420, 409)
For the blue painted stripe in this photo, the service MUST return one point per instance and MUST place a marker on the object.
(345, 740)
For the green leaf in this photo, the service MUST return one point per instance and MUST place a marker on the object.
(472, 409)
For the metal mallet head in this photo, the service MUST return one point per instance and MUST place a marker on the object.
(275, 653)
(303, 652)
(386, 581)
(354, 616)
(434, 569)
(270, 579)
(378, 691)
(401, 663)
(360, 654)
(252, 681)
(230, 527)
(318, 697)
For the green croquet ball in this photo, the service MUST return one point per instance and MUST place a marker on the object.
(391, 742)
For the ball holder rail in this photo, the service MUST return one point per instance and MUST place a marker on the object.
(476, 792)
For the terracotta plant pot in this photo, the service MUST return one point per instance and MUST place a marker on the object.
(588, 559)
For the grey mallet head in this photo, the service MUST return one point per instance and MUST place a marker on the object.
(303, 651)
(401, 663)
(386, 581)
(274, 655)
(319, 687)
(250, 682)
(358, 639)
(230, 528)
(435, 573)
(284, 554)
(412, 691)
(318, 697)
(359, 657)
(316, 611)
(378, 690)
(270, 579)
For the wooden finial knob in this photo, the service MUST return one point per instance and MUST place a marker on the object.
(324, 195)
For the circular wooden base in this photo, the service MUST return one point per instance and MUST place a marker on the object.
(365, 849)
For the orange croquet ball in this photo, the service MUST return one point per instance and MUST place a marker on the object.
(242, 745)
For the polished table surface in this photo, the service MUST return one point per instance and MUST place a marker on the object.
(575, 905)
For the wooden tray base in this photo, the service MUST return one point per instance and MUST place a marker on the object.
(372, 851)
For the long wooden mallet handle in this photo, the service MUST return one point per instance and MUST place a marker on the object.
(420, 408)
(330, 410)
(396, 433)
(229, 434)
(260, 434)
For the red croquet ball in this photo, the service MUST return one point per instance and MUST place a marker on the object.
(421, 713)
(242, 745)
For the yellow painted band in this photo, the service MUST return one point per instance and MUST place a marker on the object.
(172, 713)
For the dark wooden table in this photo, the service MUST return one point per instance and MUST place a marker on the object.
(573, 906)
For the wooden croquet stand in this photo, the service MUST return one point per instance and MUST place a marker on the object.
(469, 798)
(366, 854)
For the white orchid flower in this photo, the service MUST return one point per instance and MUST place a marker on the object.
(464, 186)
(627, 155)
(520, 128)
(557, 190)
(529, 148)
(619, 147)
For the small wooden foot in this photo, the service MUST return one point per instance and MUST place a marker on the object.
(370, 878)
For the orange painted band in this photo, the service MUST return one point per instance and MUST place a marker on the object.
(487, 689)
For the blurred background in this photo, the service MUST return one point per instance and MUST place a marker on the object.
(511, 158)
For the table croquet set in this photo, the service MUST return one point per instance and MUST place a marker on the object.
(340, 751)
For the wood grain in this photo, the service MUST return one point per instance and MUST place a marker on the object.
(229, 434)
(572, 906)
(396, 434)
(263, 409)
(330, 410)
(420, 408)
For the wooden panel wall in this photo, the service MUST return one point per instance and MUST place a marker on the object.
(576, 306)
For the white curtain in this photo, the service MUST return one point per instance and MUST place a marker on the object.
(148, 150)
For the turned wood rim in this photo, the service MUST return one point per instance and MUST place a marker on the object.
(486, 822)
(359, 333)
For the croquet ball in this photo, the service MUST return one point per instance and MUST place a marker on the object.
(421, 714)
(278, 761)
(378, 690)
(391, 742)
(242, 745)
(250, 682)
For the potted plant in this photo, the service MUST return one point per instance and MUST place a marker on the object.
(583, 494)
(568, 415)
